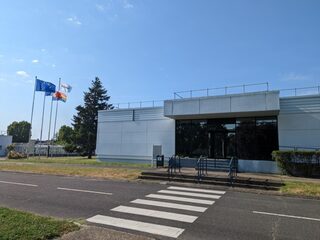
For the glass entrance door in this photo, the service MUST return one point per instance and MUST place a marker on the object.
(221, 144)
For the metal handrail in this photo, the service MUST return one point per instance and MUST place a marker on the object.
(233, 169)
(202, 167)
(138, 104)
(226, 88)
(295, 90)
(208, 92)
(173, 165)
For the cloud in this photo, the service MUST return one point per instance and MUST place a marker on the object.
(74, 20)
(100, 7)
(295, 77)
(53, 65)
(43, 50)
(35, 61)
(22, 74)
(20, 60)
(126, 4)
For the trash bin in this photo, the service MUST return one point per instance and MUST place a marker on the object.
(160, 160)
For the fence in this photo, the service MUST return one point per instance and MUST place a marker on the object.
(42, 150)
(254, 87)
(208, 92)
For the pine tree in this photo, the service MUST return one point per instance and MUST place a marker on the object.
(86, 120)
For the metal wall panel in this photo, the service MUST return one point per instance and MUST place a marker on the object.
(125, 138)
(302, 104)
(299, 121)
(148, 114)
(115, 115)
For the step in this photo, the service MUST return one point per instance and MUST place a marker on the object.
(209, 182)
(239, 180)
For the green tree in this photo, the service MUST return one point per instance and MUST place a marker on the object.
(86, 120)
(65, 135)
(19, 131)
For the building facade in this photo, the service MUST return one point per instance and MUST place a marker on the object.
(5, 141)
(246, 125)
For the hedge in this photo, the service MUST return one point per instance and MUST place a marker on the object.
(298, 163)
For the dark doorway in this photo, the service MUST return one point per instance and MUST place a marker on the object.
(221, 144)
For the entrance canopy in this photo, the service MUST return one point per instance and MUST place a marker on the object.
(264, 103)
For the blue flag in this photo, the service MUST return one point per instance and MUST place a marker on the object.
(47, 87)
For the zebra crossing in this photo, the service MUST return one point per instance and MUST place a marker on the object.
(180, 205)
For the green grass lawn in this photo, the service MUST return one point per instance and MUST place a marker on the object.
(301, 188)
(17, 225)
(74, 170)
(79, 160)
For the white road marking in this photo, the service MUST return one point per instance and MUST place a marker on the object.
(170, 205)
(288, 216)
(138, 226)
(81, 190)
(182, 199)
(196, 190)
(22, 184)
(190, 194)
(156, 214)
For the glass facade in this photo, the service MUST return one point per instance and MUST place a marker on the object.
(247, 138)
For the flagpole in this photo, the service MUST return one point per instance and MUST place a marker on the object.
(50, 127)
(44, 104)
(32, 109)
(57, 105)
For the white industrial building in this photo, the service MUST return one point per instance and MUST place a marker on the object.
(5, 141)
(248, 125)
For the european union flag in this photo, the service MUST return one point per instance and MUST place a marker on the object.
(44, 86)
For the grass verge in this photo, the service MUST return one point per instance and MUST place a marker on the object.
(301, 188)
(107, 173)
(17, 225)
(78, 160)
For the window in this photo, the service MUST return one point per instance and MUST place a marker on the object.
(246, 138)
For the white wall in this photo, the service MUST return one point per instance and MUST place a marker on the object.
(299, 121)
(258, 166)
(130, 134)
(257, 103)
(4, 142)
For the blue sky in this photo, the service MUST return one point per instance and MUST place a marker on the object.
(147, 49)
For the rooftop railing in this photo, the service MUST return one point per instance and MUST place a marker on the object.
(207, 92)
(141, 104)
(300, 91)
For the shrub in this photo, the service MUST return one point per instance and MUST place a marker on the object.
(10, 147)
(16, 155)
(298, 163)
(69, 147)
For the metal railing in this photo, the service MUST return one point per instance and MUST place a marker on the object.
(207, 92)
(300, 91)
(222, 90)
(233, 169)
(173, 164)
(202, 167)
(140, 104)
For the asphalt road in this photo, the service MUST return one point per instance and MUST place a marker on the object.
(233, 215)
